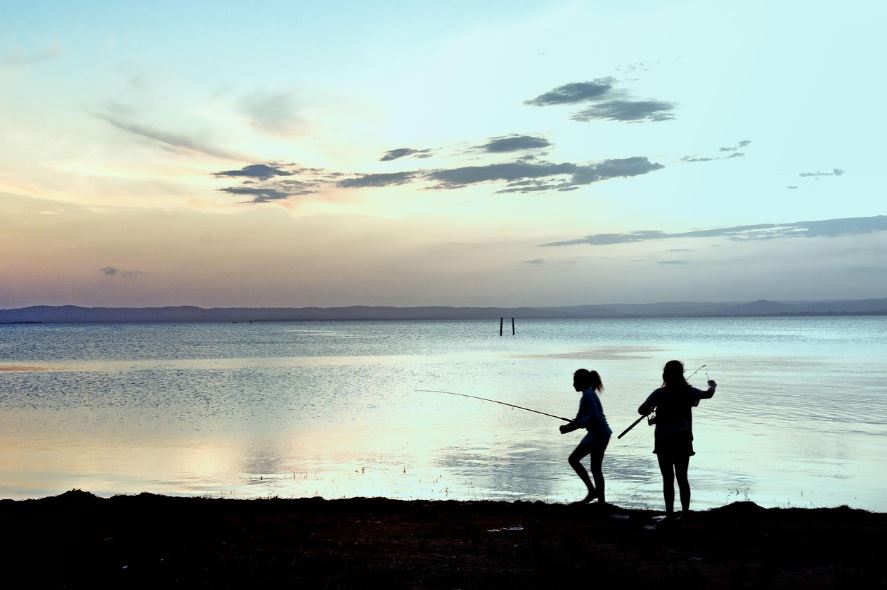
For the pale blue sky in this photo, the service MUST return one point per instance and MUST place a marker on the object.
(129, 131)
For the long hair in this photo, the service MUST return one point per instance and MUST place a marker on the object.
(673, 375)
(586, 379)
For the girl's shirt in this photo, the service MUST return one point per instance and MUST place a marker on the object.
(591, 415)
(674, 409)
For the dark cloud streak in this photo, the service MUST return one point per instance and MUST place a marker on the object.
(260, 171)
(630, 111)
(404, 152)
(376, 180)
(514, 143)
(458, 177)
(574, 92)
(765, 231)
(834, 172)
(607, 103)
(732, 150)
(519, 177)
(258, 194)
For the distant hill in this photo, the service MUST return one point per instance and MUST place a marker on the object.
(76, 314)
(761, 307)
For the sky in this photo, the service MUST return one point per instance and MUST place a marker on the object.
(495, 153)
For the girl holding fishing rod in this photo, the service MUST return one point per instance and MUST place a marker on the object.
(591, 417)
(673, 403)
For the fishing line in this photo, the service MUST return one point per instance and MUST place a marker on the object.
(696, 371)
(486, 399)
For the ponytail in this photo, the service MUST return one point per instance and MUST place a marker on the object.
(586, 379)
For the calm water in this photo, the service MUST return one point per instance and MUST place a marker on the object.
(330, 409)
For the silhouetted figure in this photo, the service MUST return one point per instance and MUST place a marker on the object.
(674, 403)
(591, 417)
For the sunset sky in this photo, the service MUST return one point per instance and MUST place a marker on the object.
(440, 153)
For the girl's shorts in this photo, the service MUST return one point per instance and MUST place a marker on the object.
(675, 444)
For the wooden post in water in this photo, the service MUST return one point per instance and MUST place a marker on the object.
(500, 325)
(512, 326)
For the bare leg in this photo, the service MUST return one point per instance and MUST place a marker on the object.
(666, 467)
(680, 470)
(597, 471)
(575, 460)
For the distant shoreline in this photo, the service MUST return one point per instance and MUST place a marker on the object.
(46, 314)
(441, 319)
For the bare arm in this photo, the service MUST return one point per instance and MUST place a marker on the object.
(569, 427)
(648, 406)
(710, 392)
(580, 420)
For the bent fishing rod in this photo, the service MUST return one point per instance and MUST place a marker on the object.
(486, 399)
(636, 422)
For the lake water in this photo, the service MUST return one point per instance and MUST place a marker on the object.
(300, 409)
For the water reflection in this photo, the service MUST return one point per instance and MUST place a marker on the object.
(331, 409)
(599, 354)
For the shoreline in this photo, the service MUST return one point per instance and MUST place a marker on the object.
(80, 540)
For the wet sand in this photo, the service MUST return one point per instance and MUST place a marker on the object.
(78, 540)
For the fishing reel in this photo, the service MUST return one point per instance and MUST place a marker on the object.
(651, 419)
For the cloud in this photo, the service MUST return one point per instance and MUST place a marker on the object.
(403, 152)
(520, 175)
(627, 110)
(766, 231)
(792, 186)
(513, 143)
(834, 172)
(374, 180)
(18, 58)
(110, 271)
(535, 261)
(618, 168)
(574, 92)
(671, 262)
(274, 113)
(261, 182)
(732, 150)
(267, 194)
(608, 103)
(275, 181)
(173, 141)
(258, 194)
(260, 171)
(458, 177)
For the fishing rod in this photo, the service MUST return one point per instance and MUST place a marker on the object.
(486, 399)
(636, 422)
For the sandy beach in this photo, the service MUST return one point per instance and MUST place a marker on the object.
(80, 540)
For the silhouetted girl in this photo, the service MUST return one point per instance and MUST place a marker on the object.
(674, 403)
(591, 417)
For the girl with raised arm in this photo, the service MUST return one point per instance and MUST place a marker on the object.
(674, 403)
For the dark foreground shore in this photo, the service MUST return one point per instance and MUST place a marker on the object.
(78, 540)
